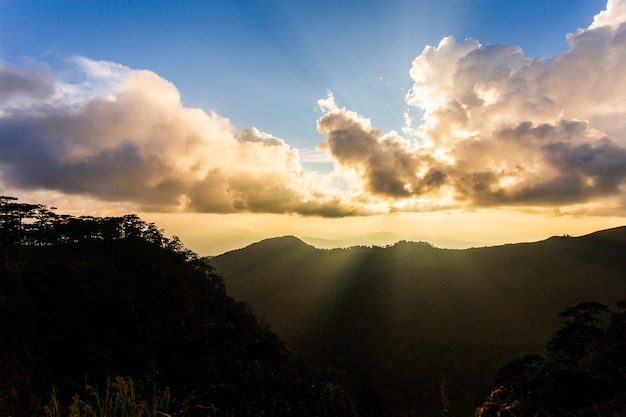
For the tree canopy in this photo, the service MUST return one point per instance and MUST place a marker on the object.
(85, 300)
(583, 373)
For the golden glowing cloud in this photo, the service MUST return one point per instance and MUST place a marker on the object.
(498, 130)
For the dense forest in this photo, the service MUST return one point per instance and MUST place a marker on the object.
(108, 317)
(411, 321)
(583, 373)
(88, 300)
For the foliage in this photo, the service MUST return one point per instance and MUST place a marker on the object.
(92, 299)
(29, 225)
(119, 399)
(582, 374)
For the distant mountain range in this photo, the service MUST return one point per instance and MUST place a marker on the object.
(385, 239)
(225, 237)
(401, 319)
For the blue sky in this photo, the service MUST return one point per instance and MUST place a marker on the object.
(484, 120)
(266, 63)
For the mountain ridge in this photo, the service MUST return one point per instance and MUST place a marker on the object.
(386, 314)
(284, 239)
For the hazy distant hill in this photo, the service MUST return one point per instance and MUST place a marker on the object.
(366, 239)
(385, 239)
(399, 318)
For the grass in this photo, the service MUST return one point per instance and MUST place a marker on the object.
(119, 399)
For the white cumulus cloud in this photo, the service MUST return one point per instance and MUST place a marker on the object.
(499, 128)
(123, 135)
(496, 128)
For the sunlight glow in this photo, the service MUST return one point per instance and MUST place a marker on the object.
(488, 94)
(486, 128)
(443, 155)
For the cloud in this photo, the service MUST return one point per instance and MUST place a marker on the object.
(498, 128)
(124, 135)
(386, 163)
(614, 15)
(35, 82)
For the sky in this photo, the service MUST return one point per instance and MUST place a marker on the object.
(462, 122)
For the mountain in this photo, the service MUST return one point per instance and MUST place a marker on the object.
(405, 319)
(366, 239)
(223, 236)
(384, 239)
(84, 301)
(450, 243)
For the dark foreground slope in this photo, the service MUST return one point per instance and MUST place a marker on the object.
(415, 322)
(582, 374)
(82, 312)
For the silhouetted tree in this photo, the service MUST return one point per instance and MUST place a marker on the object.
(583, 371)
(12, 230)
(24, 224)
(115, 297)
(578, 337)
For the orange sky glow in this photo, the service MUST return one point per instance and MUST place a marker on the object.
(496, 147)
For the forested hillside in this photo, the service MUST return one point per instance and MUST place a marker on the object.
(86, 300)
(582, 374)
(414, 322)
(403, 330)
